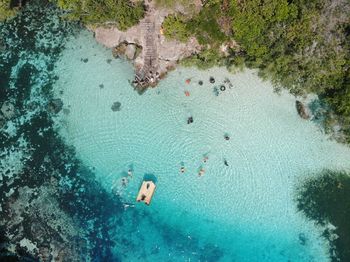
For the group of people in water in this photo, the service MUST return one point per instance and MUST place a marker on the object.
(190, 120)
(205, 159)
(201, 171)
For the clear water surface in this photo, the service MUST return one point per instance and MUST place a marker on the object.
(241, 212)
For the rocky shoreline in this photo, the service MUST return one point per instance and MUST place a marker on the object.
(146, 47)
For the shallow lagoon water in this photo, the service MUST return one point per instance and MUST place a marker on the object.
(243, 212)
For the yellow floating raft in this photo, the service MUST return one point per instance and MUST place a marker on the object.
(146, 192)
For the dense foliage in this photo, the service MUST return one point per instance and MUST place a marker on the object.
(176, 28)
(203, 26)
(303, 45)
(122, 12)
(326, 198)
(5, 10)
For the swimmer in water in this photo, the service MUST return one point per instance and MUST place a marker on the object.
(205, 159)
(182, 169)
(201, 172)
(129, 173)
(124, 181)
(227, 137)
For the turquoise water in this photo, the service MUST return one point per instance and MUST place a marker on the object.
(241, 212)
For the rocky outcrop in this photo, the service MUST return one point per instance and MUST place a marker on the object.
(157, 56)
(127, 50)
(302, 110)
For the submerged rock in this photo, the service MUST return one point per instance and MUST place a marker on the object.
(302, 239)
(116, 106)
(55, 106)
(302, 111)
(8, 110)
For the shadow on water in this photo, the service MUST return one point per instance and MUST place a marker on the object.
(325, 198)
(150, 177)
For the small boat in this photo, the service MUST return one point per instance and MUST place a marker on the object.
(146, 192)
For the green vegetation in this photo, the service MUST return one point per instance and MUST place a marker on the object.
(302, 45)
(188, 5)
(326, 198)
(176, 28)
(204, 26)
(5, 10)
(207, 30)
(204, 60)
(122, 12)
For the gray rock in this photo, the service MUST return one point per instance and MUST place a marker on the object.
(116, 106)
(130, 51)
(302, 111)
(8, 110)
(55, 106)
(127, 50)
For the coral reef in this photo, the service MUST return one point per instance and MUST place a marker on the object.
(51, 207)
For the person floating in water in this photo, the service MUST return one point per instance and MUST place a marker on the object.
(205, 159)
(130, 173)
(124, 181)
(182, 169)
(227, 137)
(201, 172)
(225, 162)
(190, 120)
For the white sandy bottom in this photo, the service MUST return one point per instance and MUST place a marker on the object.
(243, 212)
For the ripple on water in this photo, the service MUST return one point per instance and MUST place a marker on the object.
(246, 210)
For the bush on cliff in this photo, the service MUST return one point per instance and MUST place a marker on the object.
(175, 28)
(122, 12)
